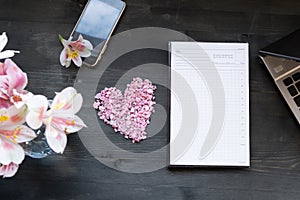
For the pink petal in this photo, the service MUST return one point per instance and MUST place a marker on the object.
(4, 103)
(4, 87)
(83, 47)
(4, 84)
(9, 170)
(86, 48)
(3, 69)
(10, 152)
(17, 78)
(128, 114)
(77, 45)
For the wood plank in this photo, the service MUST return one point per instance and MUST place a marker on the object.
(33, 26)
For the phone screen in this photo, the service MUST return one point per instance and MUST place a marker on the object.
(96, 24)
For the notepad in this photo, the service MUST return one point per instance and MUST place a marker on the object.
(209, 110)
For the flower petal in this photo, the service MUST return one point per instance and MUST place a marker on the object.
(74, 124)
(64, 58)
(4, 103)
(33, 120)
(12, 116)
(4, 82)
(56, 140)
(17, 78)
(85, 48)
(77, 102)
(20, 98)
(68, 100)
(26, 134)
(64, 42)
(85, 53)
(2, 69)
(88, 44)
(9, 170)
(19, 133)
(3, 41)
(8, 54)
(67, 124)
(80, 38)
(77, 61)
(37, 106)
(10, 152)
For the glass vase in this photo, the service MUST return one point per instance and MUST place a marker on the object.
(37, 148)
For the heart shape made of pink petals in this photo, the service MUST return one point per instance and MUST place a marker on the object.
(129, 113)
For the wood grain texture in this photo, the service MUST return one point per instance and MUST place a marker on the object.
(33, 27)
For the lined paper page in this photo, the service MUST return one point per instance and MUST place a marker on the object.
(210, 80)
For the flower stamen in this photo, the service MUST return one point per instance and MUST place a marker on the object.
(4, 118)
(16, 98)
(73, 54)
(70, 122)
(15, 134)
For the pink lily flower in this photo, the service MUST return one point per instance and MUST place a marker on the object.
(60, 119)
(74, 50)
(12, 83)
(13, 132)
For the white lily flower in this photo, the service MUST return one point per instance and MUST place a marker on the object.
(13, 132)
(60, 120)
(74, 50)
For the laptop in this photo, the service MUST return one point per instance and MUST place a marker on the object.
(282, 59)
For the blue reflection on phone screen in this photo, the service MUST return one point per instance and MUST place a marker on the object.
(96, 23)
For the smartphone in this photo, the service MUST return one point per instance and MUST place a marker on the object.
(96, 24)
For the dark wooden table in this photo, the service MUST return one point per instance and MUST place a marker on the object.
(33, 27)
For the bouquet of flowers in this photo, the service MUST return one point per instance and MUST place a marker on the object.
(22, 113)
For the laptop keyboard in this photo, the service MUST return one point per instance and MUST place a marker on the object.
(293, 86)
